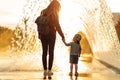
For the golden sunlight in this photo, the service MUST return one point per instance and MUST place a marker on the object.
(71, 24)
(70, 18)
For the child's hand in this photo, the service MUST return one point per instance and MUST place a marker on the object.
(64, 42)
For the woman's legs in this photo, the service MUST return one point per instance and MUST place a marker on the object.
(44, 54)
(51, 51)
(51, 54)
(44, 57)
(48, 42)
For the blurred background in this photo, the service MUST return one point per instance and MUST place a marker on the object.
(98, 21)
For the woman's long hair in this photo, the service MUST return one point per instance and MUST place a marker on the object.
(53, 6)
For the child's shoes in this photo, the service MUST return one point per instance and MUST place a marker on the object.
(76, 73)
(70, 74)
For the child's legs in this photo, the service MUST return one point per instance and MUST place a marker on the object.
(71, 67)
(76, 68)
(71, 63)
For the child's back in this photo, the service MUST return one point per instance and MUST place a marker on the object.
(75, 52)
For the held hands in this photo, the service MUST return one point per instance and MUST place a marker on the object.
(64, 41)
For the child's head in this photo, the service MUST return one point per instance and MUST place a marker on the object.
(77, 38)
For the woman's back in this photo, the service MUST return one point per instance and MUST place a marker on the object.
(53, 10)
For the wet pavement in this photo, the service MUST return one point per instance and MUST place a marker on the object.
(88, 70)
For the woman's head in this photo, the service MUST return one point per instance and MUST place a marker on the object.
(77, 38)
(57, 6)
(54, 6)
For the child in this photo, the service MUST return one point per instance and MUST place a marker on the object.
(74, 53)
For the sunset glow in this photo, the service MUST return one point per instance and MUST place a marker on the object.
(69, 18)
(73, 16)
(12, 10)
(70, 24)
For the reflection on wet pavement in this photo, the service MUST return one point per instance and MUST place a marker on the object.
(84, 75)
(93, 70)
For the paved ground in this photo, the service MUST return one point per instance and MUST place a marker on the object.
(88, 70)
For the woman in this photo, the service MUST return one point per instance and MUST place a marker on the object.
(48, 41)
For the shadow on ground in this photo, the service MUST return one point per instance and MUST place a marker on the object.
(117, 70)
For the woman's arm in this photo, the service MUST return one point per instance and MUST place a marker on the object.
(58, 27)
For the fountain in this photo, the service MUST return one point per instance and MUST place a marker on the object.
(94, 19)
(91, 17)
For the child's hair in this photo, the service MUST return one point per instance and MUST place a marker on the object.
(77, 37)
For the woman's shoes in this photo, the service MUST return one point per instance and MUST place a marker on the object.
(50, 73)
(47, 73)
